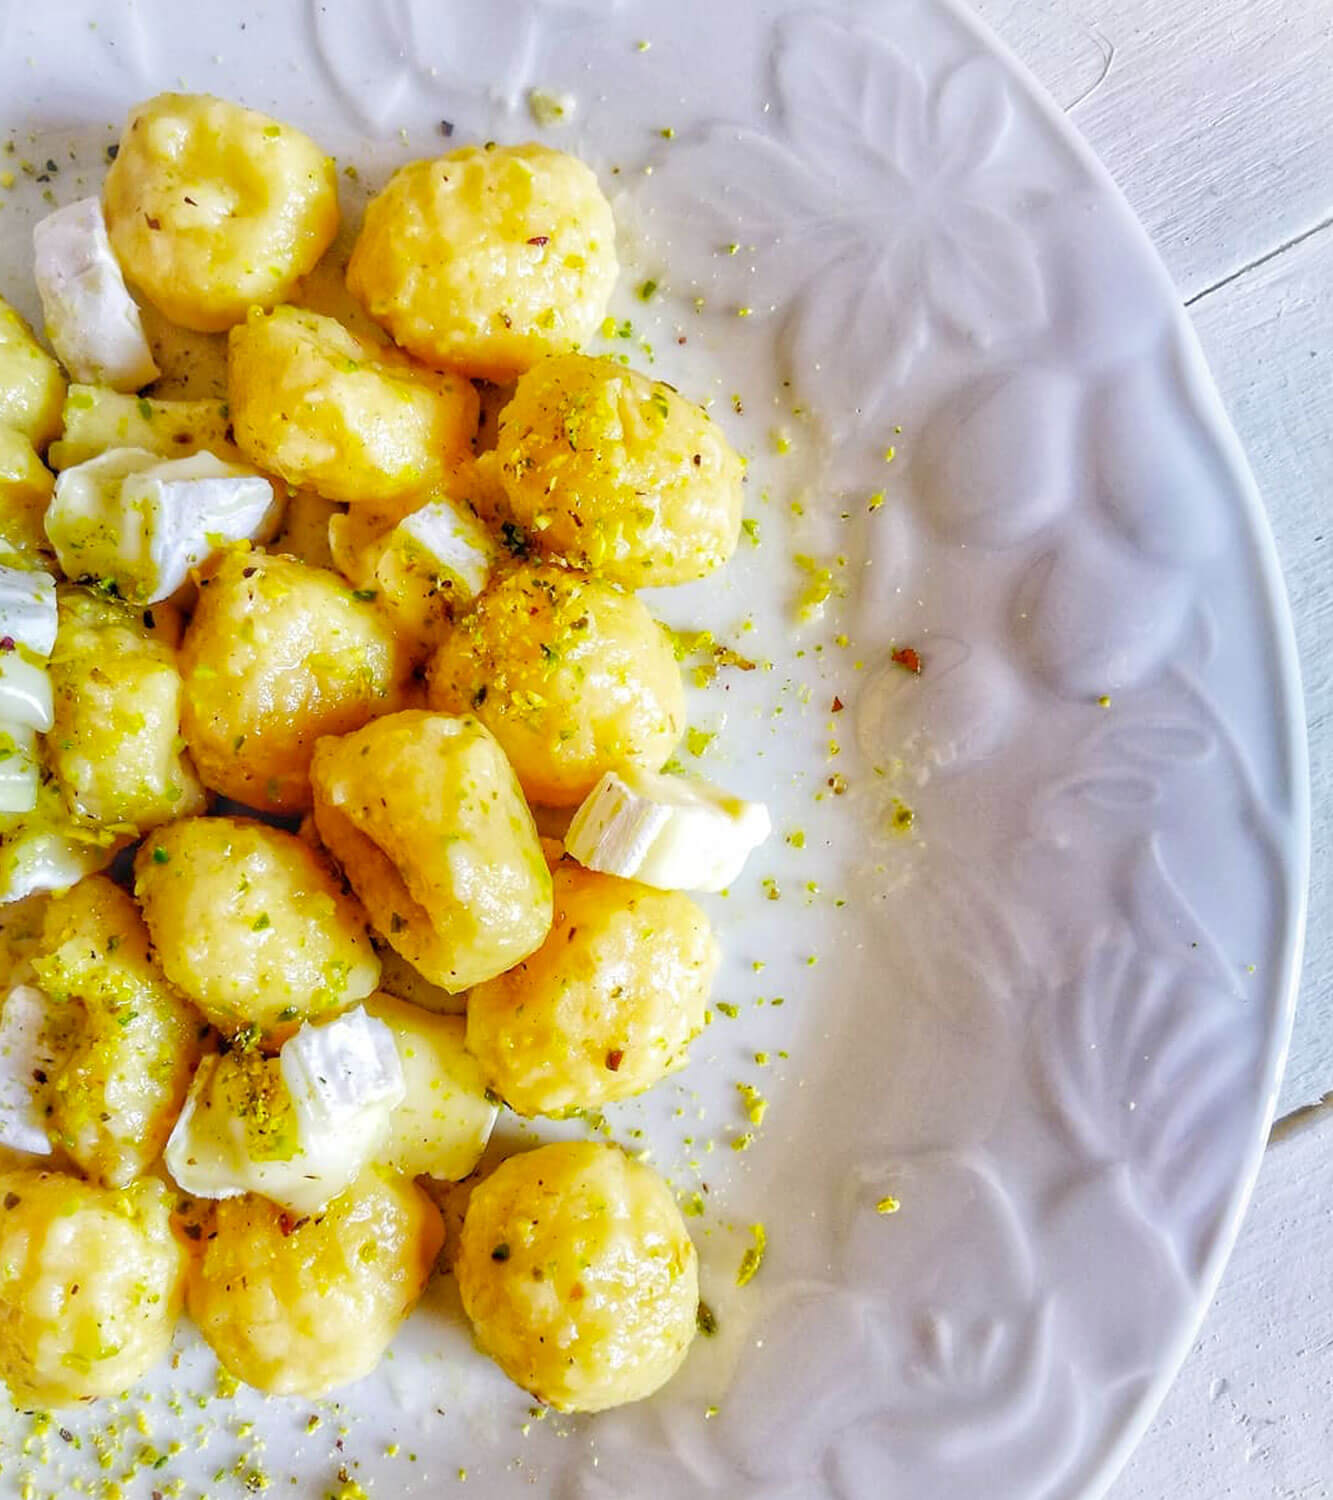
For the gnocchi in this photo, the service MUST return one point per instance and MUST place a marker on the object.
(114, 746)
(25, 492)
(443, 1123)
(302, 1305)
(91, 1284)
(578, 1275)
(32, 386)
(279, 653)
(319, 406)
(213, 208)
(252, 925)
(618, 473)
(426, 818)
(573, 677)
(606, 1007)
(128, 1044)
(485, 259)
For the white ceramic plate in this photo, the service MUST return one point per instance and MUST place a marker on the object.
(1049, 1016)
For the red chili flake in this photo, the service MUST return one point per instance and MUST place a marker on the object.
(6, 643)
(152, 222)
(289, 1225)
(682, 339)
(908, 658)
(540, 239)
(614, 1059)
(249, 572)
(838, 705)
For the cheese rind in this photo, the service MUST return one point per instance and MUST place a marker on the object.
(25, 1053)
(144, 522)
(91, 319)
(667, 831)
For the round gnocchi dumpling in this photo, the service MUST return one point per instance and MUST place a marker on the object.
(252, 924)
(91, 1283)
(213, 208)
(618, 473)
(325, 409)
(279, 653)
(606, 1007)
(573, 677)
(32, 385)
(427, 820)
(300, 1306)
(125, 1042)
(577, 1272)
(441, 1126)
(487, 258)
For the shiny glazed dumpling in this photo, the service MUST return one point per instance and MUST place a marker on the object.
(578, 1274)
(252, 924)
(91, 1282)
(115, 746)
(325, 409)
(277, 654)
(619, 473)
(426, 818)
(573, 677)
(127, 1042)
(32, 386)
(301, 1306)
(213, 208)
(485, 259)
(606, 1007)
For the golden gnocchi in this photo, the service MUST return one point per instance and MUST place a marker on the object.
(573, 677)
(213, 208)
(115, 745)
(485, 259)
(426, 818)
(319, 406)
(126, 1041)
(91, 1284)
(606, 1007)
(32, 385)
(25, 492)
(618, 473)
(300, 1306)
(278, 654)
(252, 924)
(578, 1275)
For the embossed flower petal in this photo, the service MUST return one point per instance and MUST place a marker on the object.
(776, 1427)
(983, 278)
(1119, 1291)
(731, 186)
(996, 460)
(853, 332)
(1093, 619)
(855, 104)
(888, 1457)
(970, 117)
(946, 1197)
(956, 715)
(365, 56)
(1159, 472)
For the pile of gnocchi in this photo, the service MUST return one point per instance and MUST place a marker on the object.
(281, 681)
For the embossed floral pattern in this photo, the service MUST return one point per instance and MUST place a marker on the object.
(886, 219)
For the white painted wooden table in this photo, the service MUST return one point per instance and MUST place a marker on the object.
(1214, 116)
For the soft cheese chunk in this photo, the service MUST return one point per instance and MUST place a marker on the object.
(666, 831)
(28, 609)
(297, 1128)
(144, 521)
(25, 1052)
(91, 319)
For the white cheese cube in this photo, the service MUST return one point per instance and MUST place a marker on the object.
(336, 1070)
(144, 521)
(25, 693)
(297, 1128)
(91, 319)
(667, 831)
(28, 609)
(25, 1053)
(34, 859)
(445, 540)
(19, 769)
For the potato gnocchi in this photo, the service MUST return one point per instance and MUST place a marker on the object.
(376, 589)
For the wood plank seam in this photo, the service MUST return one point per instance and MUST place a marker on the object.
(1262, 260)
